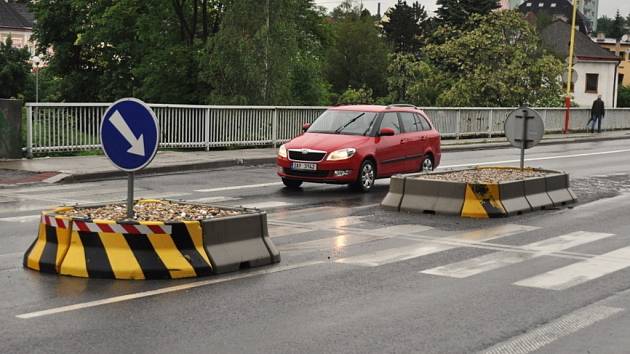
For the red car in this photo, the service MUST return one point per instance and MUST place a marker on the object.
(355, 145)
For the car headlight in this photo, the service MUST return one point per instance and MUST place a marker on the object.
(342, 154)
(282, 151)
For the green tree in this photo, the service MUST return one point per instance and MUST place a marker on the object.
(411, 80)
(14, 70)
(604, 24)
(362, 95)
(104, 50)
(623, 97)
(500, 63)
(357, 56)
(617, 29)
(405, 26)
(267, 52)
(457, 13)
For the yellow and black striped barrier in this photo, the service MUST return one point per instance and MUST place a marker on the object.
(145, 250)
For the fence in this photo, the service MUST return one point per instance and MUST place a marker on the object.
(55, 127)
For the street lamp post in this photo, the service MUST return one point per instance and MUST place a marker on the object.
(37, 61)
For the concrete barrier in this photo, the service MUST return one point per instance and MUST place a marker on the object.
(395, 195)
(558, 189)
(432, 196)
(150, 250)
(10, 128)
(51, 245)
(513, 197)
(479, 200)
(536, 193)
(238, 242)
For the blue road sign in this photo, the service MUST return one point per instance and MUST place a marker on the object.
(130, 134)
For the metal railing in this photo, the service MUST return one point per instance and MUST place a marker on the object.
(56, 127)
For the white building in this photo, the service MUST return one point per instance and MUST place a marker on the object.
(16, 21)
(596, 67)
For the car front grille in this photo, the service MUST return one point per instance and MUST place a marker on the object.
(299, 173)
(306, 155)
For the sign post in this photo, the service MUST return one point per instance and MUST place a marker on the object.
(524, 128)
(130, 139)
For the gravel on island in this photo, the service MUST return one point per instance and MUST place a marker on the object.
(485, 175)
(151, 211)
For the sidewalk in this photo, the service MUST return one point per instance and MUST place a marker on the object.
(82, 168)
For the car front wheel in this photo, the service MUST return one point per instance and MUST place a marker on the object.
(292, 183)
(427, 164)
(366, 178)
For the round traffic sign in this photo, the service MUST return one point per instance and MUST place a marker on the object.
(130, 134)
(524, 128)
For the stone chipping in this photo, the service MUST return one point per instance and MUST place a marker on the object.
(152, 211)
(485, 175)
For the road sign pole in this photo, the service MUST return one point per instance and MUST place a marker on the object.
(130, 178)
(524, 138)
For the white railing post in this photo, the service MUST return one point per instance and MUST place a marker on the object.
(29, 132)
(490, 121)
(206, 128)
(274, 127)
(458, 123)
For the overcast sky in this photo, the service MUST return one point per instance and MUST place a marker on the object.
(606, 7)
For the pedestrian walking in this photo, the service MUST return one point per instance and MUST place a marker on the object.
(597, 114)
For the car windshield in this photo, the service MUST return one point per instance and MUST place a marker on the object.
(343, 122)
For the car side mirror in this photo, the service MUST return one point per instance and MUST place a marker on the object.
(386, 132)
(306, 126)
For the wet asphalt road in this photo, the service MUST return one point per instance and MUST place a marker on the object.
(354, 278)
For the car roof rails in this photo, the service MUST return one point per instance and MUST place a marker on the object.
(401, 105)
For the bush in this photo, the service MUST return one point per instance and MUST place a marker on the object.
(623, 97)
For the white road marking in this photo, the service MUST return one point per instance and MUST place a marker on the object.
(538, 158)
(21, 219)
(552, 331)
(266, 205)
(581, 272)
(213, 199)
(333, 243)
(425, 248)
(170, 289)
(231, 188)
(502, 259)
(340, 222)
(56, 178)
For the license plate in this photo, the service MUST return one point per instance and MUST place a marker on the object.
(304, 166)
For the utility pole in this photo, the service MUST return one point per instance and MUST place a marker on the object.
(567, 99)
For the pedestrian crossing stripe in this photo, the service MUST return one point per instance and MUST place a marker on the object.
(116, 255)
(497, 260)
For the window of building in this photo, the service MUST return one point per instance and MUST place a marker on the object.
(390, 120)
(591, 83)
(620, 80)
(553, 4)
(541, 4)
(529, 4)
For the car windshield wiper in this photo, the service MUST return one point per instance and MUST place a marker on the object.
(341, 128)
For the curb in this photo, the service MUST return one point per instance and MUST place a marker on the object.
(150, 250)
(412, 193)
(500, 145)
(168, 169)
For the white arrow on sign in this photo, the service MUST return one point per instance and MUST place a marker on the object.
(137, 144)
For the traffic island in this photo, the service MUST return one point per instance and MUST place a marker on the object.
(481, 192)
(164, 240)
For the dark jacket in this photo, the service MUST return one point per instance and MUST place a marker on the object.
(598, 109)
